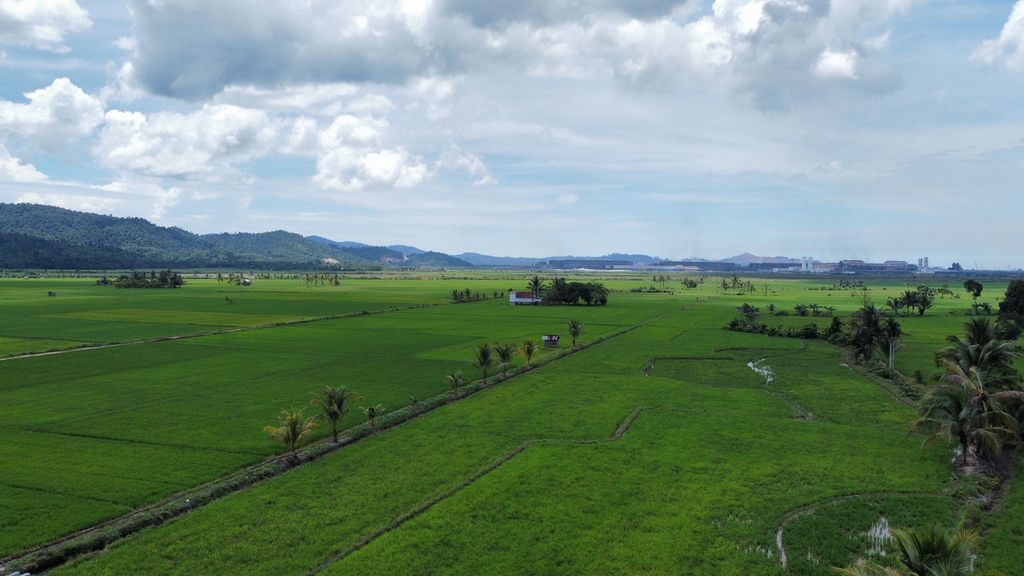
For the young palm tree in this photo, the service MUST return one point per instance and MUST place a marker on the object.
(933, 551)
(292, 430)
(529, 349)
(335, 402)
(506, 352)
(575, 329)
(484, 359)
(895, 304)
(455, 381)
(372, 413)
(536, 286)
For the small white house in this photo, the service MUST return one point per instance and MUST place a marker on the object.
(517, 297)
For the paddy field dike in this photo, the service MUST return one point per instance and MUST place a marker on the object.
(653, 448)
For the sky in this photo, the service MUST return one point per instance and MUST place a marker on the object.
(873, 129)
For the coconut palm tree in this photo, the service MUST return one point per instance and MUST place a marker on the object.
(528, 349)
(455, 381)
(981, 349)
(292, 430)
(372, 413)
(866, 328)
(890, 340)
(575, 329)
(961, 409)
(484, 359)
(933, 551)
(536, 286)
(506, 352)
(925, 300)
(335, 402)
(895, 304)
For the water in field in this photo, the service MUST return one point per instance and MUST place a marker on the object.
(763, 369)
(879, 537)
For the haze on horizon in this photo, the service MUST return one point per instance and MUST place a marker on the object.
(875, 129)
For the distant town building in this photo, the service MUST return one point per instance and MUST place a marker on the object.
(586, 264)
(887, 267)
(700, 265)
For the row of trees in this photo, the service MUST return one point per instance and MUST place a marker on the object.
(978, 404)
(294, 427)
(151, 279)
(912, 301)
(462, 296)
(814, 310)
(559, 291)
(500, 356)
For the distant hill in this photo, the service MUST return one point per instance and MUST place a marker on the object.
(37, 236)
(405, 249)
(505, 261)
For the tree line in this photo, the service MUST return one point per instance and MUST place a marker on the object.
(151, 279)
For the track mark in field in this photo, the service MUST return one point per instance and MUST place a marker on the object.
(617, 435)
(232, 330)
(143, 442)
(799, 411)
(59, 493)
(814, 506)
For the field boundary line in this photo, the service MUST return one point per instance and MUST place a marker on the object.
(97, 537)
(58, 493)
(423, 507)
(232, 330)
(811, 507)
(253, 453)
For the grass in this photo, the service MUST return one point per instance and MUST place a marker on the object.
(523, 478)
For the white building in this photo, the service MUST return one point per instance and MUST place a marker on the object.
(522, 297)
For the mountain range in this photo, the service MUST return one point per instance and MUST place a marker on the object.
(38, 236)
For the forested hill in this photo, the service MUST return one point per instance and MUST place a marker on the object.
(36, 236)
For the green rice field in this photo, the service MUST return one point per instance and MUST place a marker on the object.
(655, 451)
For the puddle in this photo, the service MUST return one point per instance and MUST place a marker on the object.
(763, 369)
(879, 537)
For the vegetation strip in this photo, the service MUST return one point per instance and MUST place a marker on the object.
(620, 431)
(57, 552)
(236, 329)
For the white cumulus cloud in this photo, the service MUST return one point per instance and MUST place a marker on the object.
(1008, 46)
(53, 115)
(14, 170)
(207, 143)
(455, 158)
(837, 65)
(351, 156)
(41, 23)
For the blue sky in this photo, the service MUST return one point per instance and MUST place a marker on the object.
(836, 129)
